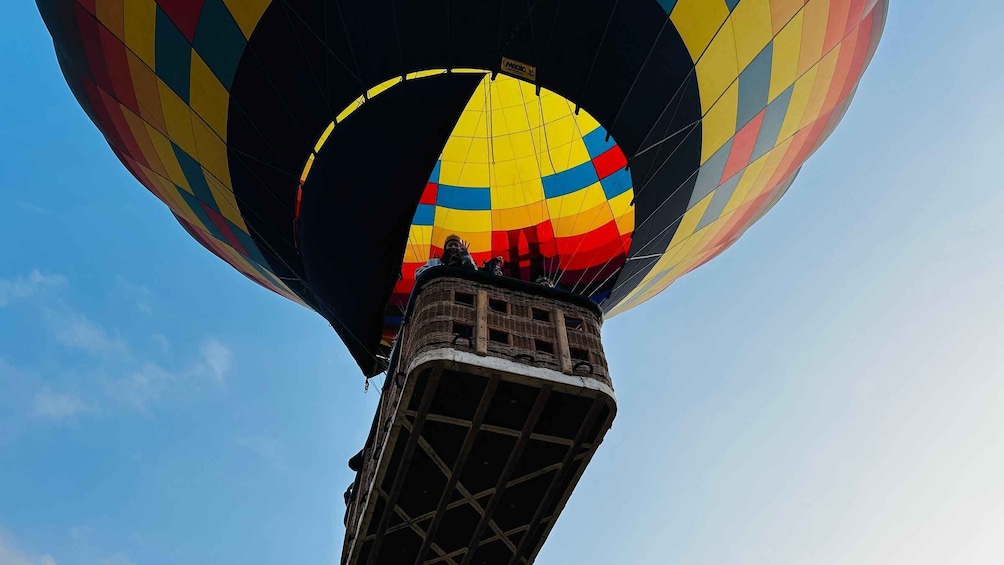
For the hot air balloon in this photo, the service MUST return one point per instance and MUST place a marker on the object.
(327, 149)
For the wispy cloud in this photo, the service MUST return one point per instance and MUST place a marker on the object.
(81, 534)
(117, 559)
(33, 208)
(23, 287)
(142, 386)
(11, 555)
(270, 451)
(76, 331)
(162, 342)
(138, 294)
(125, 376)
(50, 405)
(218, 359)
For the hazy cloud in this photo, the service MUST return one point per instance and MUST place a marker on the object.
(117, 559)
(33, 208)
(80, 534)
(139, 295)
(76, 331)
(139, 388)
(10, 555)
(217, 358)
(124, 377)
(34, 283)
(269, 450)
(162, 342)
(142, 387)
(50, 405)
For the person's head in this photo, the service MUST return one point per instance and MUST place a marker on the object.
(453, 245)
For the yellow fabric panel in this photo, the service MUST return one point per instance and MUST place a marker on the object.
(625, 222)
(209, 98)
(456, 150)
(571, 204)
(668, 261)
(718, 68)
(468, 221)
(247, 13)
(583, 222)
(478, 241)
(177, 202)
(504, 173)
(516, 195)
(427, 73)
(111, 14)
(566, 156)
(550, 104)
(749, 178)
(719, 125)
(784, 64)
(164, 188)
(138, 129)
(168, 158)
(692, 218)
(586, 122)
(479, 153)
(813, 33)
(472, 123)
(621, 204)
(781, 12)
(516, 218)
(324, 137)
(525, 144)
(698, 21)
(179, 119)
(513, 119)
(382, 87)
(703, 239)
(824, 77)
(534, 166)
(796, 106)
(212, 151)
(226, 202)
(511, 92)
(560, 133)
(419, 239)
(685, 252)
(751, 25)
(140, 18)
(306, 168)
(774, 160)
(472, 174)
(352, 107)
(147, 92)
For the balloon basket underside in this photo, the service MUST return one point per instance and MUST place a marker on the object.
(478, 443)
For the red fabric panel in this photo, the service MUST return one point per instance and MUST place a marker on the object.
(184, 14)
(609, 162)
(429, 194)
(742, 147)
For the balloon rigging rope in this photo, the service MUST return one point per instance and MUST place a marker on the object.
(323, 41)
(306, 62)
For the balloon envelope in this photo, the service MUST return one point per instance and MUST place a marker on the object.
(326, 149)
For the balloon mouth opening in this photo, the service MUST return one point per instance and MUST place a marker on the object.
(526, 175)
(529, 176)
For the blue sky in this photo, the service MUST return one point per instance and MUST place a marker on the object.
(828, 391)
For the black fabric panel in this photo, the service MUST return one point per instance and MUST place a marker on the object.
(361, 196)
(373, 34)
(621, 60)
(664, 177)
